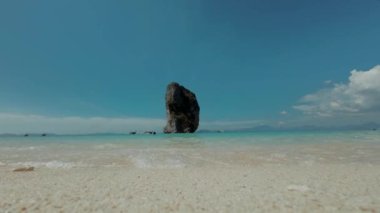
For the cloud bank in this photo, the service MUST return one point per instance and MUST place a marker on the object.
(230, 125)
(20, 124)
(360, 95)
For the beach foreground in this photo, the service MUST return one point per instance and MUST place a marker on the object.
(264, 188)
(192, 175)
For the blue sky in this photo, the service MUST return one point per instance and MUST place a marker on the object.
(247, 61)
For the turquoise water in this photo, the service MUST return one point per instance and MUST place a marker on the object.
(186, 150)
(206, 138)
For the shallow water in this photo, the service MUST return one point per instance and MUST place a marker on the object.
(193, 150)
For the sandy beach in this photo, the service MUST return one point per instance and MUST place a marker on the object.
(303, 172)
(258, 188)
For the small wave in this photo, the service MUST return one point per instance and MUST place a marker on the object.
(27, 148)
(151, 163)
(105, 146)
(49, 164)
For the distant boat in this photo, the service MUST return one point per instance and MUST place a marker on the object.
(150, 132)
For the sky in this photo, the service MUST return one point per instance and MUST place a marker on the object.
(81, 66)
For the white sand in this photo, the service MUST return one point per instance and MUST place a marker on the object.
(268, 187)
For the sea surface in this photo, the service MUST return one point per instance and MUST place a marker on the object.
(177, 151)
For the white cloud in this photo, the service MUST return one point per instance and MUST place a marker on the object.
(361, 94)
(19, 124)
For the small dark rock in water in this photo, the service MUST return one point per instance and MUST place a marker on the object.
(26, 135)
(24, 169)
(132, 133)
(182, 110)
(150, 132)
(43, 135)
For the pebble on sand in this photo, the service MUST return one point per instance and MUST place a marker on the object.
(299, 188)
(24, 169)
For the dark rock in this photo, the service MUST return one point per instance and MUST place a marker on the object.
(133, 133)
(182, 110)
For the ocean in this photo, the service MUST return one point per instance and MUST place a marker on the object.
(176, 151)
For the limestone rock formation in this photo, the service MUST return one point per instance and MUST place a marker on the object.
(182, 110)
